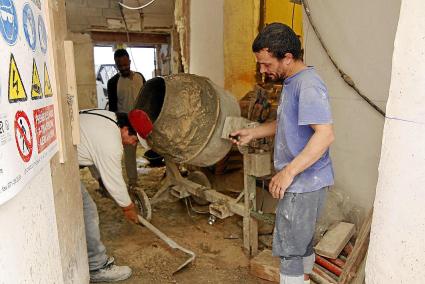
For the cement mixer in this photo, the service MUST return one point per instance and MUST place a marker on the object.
(192, 120)
(188, 113)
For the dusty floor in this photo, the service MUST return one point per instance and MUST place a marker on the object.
(220, 257)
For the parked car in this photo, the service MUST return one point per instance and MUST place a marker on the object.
(104, 72)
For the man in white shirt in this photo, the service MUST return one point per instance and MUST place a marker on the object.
(103, 134)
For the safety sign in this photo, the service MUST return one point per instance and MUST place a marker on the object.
(8, 21)
(16, 87)
(29, 26)
(42, 34)
(36, 91)
(47, 86)
(44, 121)
(28, 126)
(23, 135)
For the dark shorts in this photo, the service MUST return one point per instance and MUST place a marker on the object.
(296, 217)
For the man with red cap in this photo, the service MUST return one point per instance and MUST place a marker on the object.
(103, 134)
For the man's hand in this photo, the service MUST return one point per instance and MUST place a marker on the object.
(280, 182)
(130, 212)
(242, 136)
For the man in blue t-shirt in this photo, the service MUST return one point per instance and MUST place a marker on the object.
(303, 133)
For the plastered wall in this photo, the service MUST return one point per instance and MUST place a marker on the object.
(29, 247)
(241, 19)
(398, 228)
(206, 40)
(65, 176)
(42, 228)
(360, 36)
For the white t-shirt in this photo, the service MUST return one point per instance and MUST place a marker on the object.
(101, 146)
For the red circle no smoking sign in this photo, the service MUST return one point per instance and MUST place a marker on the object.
(23, 135)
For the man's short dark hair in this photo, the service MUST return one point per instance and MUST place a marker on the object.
(120, 53)
(123, 121)
(279, 39)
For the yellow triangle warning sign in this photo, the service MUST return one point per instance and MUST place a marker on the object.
(36, 91)
(16, 87)
(47, 86)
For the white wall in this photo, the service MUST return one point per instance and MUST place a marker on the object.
(397, 247)
(206, 40)
(29, 246)
(359, 35)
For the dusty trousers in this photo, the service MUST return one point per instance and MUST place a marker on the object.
(296, 217)
(130, 163)
(96, 251)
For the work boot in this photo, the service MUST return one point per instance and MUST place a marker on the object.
(110, 272)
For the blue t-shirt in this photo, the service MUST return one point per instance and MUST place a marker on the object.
(304, 101)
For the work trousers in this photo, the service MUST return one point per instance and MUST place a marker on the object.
(130, 163)
(296, 217)
(96, 251)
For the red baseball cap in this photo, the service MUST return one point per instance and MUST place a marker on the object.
(140, 122)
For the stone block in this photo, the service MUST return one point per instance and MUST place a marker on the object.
(111, 13)
(97, 21)
(98, 3)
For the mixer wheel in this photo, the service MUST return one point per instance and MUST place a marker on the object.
(199, 178)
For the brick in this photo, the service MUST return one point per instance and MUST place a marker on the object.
(334, 240)
(111, 13)
(99, 3)
(97, 21)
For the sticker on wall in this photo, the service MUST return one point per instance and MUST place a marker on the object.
(36, 91)
(42, 34)
(23, 135)
(5, 135)
(16, 87)
(29, 26)
(44, 124)
(47, 86)
(8, 21)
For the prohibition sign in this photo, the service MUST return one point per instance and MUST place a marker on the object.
(23, 135)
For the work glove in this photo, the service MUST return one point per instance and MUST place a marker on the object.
(130, 212)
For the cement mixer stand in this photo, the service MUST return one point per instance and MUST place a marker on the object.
(257, 163)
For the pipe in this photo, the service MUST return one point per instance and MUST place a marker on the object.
(328, 265)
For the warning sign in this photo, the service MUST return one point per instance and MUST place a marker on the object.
(23, 135)
(36, 92)
(16, 87)
(47, 86)
(44, 121)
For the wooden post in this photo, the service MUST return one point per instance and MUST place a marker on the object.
(250, 225)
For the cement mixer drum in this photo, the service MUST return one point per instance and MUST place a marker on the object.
(188, 112)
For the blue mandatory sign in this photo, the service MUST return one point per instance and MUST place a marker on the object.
(42, 34)
(8, 21)
(29, 26)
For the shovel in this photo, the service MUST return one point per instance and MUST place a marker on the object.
(169, 242)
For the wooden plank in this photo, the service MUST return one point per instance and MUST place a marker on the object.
(334, 240)
(359, 251)
(72, 98)
(139, 39)
(265, 266)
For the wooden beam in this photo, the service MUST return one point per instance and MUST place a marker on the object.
(265, 266)
(148, 39)
(359, 251)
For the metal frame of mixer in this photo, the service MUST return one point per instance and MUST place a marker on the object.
(255, 165)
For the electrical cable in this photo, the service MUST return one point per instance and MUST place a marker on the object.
(293, 16)
(128, 35)
(344, 75)
(135, 8)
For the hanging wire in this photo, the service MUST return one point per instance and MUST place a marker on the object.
(135, 8)
(344, 75)
(293, 16)
(128, 35)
